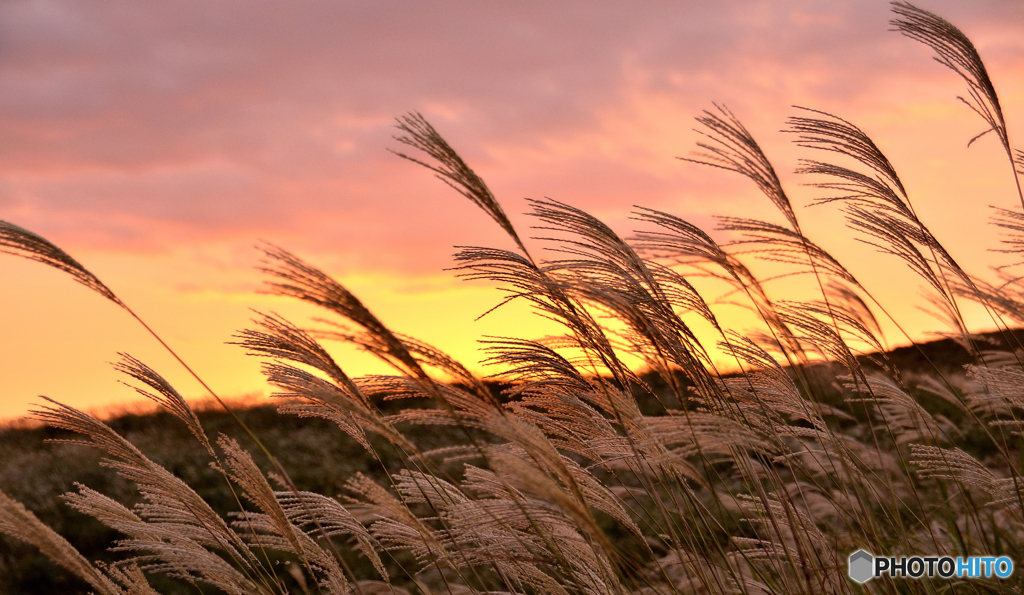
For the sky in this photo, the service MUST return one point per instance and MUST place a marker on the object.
(159, 142)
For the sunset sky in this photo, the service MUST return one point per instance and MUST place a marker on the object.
(158, 142)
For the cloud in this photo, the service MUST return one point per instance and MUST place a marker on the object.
(138, 126)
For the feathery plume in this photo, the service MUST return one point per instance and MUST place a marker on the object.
(731, 147)
(21, 524)
(19, 241)
(451, 169)
(955, 51)
(165, 396)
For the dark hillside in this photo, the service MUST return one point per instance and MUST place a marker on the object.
(318, 457)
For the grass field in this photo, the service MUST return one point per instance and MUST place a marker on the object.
(574, 471)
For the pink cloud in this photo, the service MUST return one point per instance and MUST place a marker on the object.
(138, 126)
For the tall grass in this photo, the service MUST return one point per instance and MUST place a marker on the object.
(585, 474)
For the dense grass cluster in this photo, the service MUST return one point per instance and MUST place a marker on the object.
(580, 473)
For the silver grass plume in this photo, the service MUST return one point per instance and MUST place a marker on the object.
(955, 51)
(777, 243)
(603, 271)
(256, 489)
(131, 577)
(312, 396)
(834, 134)
(550, 295)
(734, 148)
(791, 529)
(335, 398)
(428, 356)
(681, 242)
(450, 168)
(533, 364)
(168, 499)
(814, 324)
(1001, 397)
(178, 550)
(272, 527)
(852, 322)
(326, 517)
(1006, 297)
(957, 465)
(877, 202)
(1013, 238)
(292, 277)
(766, 395)
(165, 395)
(394, 526)
(905, 419)
(855, 308)
(19, 523)
(281, 340)
(19, 241)
(510, 527)
(731, 147)
(893, 236)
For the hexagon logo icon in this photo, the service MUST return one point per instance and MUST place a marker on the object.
(861, 564)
